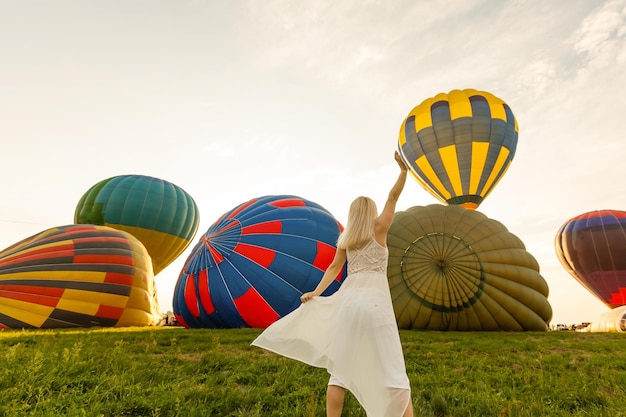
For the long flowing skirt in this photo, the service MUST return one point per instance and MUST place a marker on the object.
(354, 335)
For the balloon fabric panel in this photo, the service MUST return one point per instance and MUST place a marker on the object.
(255, 261)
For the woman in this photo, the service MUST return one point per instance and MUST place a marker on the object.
(353, 333)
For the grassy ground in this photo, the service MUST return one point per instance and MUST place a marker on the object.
(203, 372)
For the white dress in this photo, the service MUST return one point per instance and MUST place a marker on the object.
(353, 334)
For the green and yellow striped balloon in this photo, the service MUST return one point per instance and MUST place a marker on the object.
(459, 145)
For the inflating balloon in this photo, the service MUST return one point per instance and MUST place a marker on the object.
(254, 263)
(592, 248)
(455, 269)
(158, 213)
(613, 321)
(459, 145)
(77, 276)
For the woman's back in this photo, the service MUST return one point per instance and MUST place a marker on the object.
(370, 258)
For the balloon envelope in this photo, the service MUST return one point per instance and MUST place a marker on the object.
(77, 276)
(459, 145)
(592, 247)
(455, 269)
(613, 321)
(158, 213)
(252, 265)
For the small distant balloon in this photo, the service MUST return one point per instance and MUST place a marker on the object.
(592, 248)
(163, 216)
(77, 276)
(253, 264)
(453, 269)
(459, 145)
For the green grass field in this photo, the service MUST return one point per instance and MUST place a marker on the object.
(179, 372)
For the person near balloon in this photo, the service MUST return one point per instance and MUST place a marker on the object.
(353, 332)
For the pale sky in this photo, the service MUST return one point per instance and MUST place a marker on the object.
(232, 100)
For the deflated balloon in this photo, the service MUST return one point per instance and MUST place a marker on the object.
(459, 145)
(252, 265)
(455, 269)
(592, 247)
(158, 213)
(77, 276)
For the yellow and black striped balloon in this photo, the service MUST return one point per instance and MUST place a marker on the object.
(459, 145)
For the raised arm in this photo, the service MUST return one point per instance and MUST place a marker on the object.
(384, 220)
(331, 273)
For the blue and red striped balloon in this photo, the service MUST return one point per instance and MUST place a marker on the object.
(254, 263)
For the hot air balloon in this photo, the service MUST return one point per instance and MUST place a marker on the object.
(158, 213)
(592, 247)
(459, 145)
(613, 321)
(455, 269)
(253, 264)
(77, 276)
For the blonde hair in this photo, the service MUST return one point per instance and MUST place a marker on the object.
(360, 227)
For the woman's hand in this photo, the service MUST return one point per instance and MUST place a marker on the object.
(307, 296)
(400, 162)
